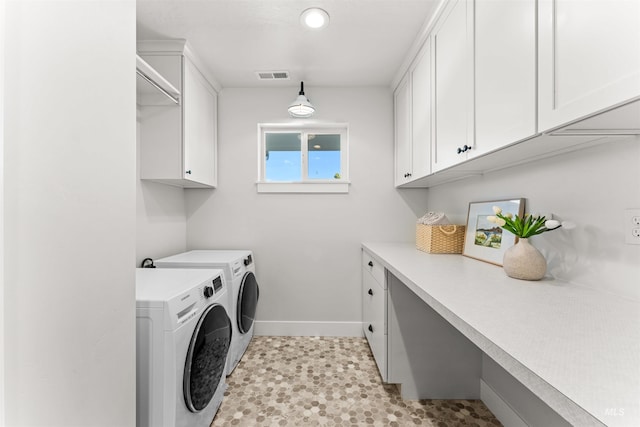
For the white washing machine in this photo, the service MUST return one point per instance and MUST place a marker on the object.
(239, 272)
(183, 335)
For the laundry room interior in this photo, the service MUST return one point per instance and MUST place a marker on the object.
(463, 341)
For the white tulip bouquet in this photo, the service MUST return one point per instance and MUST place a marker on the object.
(524, 227)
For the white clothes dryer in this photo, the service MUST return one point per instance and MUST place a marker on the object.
(183, 335)
(239, 272)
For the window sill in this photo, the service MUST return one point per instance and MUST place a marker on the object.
(303, 187)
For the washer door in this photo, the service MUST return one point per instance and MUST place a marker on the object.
(247, 302)
(206, 357)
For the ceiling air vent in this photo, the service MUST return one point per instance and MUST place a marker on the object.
(272, 75)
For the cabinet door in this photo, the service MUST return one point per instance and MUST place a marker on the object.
(199, 127)
(374, 320)
(505, 73)
(589, 57)
(453, 55)
(421, 113)
(402, 120)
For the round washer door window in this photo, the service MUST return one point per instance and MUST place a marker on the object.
(247, 302)
(206, 357)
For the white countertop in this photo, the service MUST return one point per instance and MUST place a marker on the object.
(576, 348)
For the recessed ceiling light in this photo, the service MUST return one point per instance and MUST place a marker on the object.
(314, 18)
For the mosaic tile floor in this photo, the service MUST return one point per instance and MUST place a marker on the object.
(311, 381)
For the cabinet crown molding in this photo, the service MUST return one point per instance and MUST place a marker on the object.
(178, 47)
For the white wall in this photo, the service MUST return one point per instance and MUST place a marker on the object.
(161, 227)
(69, 213)
(2, 349)
(591, 188)
(307, 246)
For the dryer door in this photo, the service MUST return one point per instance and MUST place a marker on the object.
(247, 302)
(206, 357)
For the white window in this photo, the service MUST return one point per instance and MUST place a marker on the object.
(297, 158)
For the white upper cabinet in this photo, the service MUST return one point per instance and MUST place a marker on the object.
(516, 80)
(200, 112)
(453, 85)
(505, 73)
(402, 119)
(421, 112)
(178, 144)
(412, 103)
(589, 58)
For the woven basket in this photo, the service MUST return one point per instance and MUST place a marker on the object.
(440, 239)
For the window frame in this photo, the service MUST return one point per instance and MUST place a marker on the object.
(306, 184)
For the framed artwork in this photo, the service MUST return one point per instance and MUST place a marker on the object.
(485, 240)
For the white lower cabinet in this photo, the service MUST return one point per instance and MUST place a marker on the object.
(374, 310)
(412, 344)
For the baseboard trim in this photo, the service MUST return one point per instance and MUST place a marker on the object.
(501, 409)
(308, 329)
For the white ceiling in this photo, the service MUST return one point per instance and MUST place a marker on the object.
(365, 43)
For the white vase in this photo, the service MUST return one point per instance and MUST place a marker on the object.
(523, 261)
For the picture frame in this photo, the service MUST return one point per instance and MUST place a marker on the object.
(484, 240)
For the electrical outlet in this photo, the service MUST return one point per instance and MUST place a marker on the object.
(632, 226)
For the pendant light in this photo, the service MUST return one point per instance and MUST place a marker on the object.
(301, 107)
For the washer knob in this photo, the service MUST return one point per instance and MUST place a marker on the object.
(208, 291)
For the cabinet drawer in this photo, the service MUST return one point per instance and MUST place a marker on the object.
(374, 268)
(374, 320)
(378, 343)
(374, 303)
